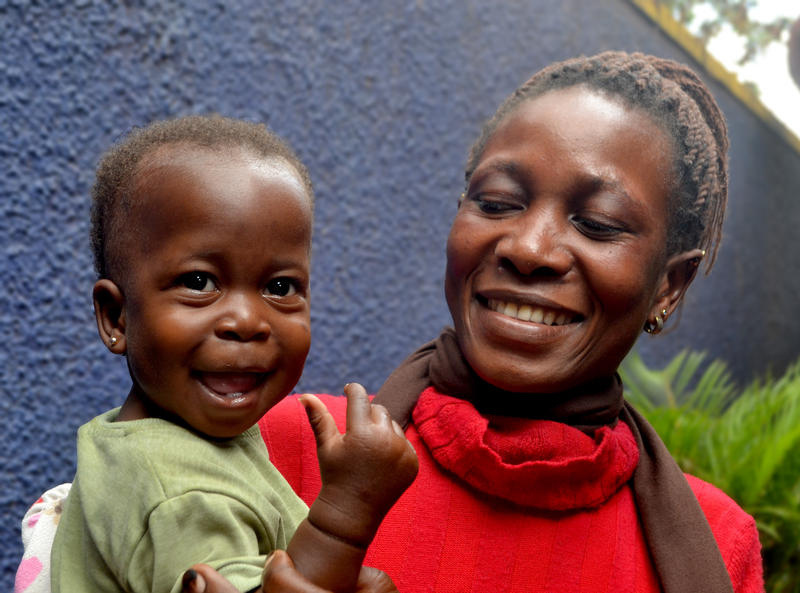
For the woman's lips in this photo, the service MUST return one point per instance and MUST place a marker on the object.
(532, 313)
(231, 383)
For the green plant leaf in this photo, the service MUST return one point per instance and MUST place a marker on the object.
(745, 441)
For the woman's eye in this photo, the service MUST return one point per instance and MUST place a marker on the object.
(281, 287)
(493, 206)
(199, 281)
(596, 229)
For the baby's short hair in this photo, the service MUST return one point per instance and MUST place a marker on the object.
(118, 167)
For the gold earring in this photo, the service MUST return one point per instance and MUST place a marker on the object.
(660, 319)
(654, 327)
(112, 341)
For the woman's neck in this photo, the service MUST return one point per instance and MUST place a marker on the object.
(590, 405)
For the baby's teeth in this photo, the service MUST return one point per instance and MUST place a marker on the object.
(524, 313)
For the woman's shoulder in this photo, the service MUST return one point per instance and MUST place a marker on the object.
(718, 506)
(736, 534)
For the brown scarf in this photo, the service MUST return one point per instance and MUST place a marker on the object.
(683, 549)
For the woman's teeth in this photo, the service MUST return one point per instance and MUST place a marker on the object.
(529, 313)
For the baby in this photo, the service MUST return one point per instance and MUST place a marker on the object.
(201, 229)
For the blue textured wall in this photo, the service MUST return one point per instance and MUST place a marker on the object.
(381, 99)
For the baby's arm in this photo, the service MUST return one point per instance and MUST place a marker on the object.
(280, 576)
(364, 472)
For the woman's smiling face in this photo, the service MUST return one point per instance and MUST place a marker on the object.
(557, 254)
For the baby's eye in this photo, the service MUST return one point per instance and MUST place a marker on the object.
(281, 287)
(199, 281)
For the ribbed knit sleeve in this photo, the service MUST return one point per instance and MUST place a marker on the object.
(736, 535)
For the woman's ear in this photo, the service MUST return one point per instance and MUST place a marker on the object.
(109, 311)
(678, 274)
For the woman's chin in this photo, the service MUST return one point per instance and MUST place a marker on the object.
(521, 371)
(522, 356)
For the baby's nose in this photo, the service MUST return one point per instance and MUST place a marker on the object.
(244, 319)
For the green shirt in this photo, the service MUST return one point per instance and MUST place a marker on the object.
(151, 498)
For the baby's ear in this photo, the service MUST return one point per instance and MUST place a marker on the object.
(109, 311)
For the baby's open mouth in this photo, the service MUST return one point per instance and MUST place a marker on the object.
(231, 384)
(532, 313)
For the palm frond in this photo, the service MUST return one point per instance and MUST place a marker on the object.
(744, 441)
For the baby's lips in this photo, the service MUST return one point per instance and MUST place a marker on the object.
(231, 383)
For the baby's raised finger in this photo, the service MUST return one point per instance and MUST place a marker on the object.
(358, 406)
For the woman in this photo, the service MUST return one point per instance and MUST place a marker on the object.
(592, 195)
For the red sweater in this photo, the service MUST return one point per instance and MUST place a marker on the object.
(523, 506)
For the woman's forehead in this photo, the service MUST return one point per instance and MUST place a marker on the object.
(582, 112)
(583, 136)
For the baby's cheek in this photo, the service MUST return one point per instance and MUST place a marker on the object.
(296, 339)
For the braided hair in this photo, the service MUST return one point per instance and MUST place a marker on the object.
(116, 173)
(675, 97)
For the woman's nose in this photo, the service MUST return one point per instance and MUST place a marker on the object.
(244, 319)
(535, 244)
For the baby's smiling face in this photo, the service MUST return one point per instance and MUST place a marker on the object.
(215, 292)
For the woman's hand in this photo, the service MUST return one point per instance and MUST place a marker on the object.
(280, 577)
(364, 471)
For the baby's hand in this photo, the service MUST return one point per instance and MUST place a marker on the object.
(364, 471)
